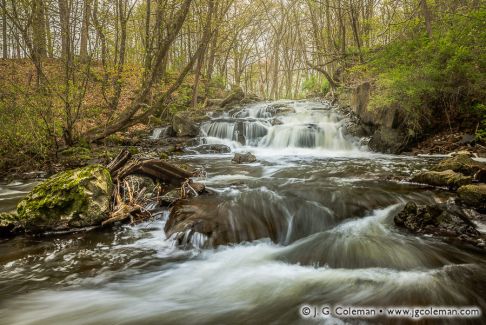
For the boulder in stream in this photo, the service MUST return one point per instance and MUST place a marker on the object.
(442, 220)
(473, 195)
(9, 224)
(462, 163)
(447, 178)
(70, 199)
(242, 158)
(212, 148)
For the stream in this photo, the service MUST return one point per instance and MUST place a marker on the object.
(309, 223)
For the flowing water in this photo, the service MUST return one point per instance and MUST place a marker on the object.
(313, 223)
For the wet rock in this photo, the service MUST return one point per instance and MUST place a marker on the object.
(280, 109)
(170, 197)
(388, 140)
(184, 126)
(71, 199)
(212, 148)
(174, 195)
(461, 164)
(186, 220)
(443, 220)
(276, 121)
(473, 195)
(463, 152)
(242, 158)
(9, 224)
(447, 178)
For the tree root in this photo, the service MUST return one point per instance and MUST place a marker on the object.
(129, 200)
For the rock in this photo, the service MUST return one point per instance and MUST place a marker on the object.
(186, 219)
(276, 121)
(9, 224)
(443, 220)
(140, 183)
(184, 126)
(174, 195)
(170, 197)
(467, 139)
(447, 178)
(386, 117)
(461, 164)
(71, 199)
(387, 140)
(473, 195)
(462, 152)
(241, 158)
(235, 97)
(212, 148)
(212, 102)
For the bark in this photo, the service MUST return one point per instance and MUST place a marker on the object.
(354, 25)
(64, 19)
(83, 50)
(200, 59)
(4, 30)
(427, 16)
(38, 30)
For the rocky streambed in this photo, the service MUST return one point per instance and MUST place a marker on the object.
(296, 212)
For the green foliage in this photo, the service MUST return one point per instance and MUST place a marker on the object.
(26, 132)
(481, 130)
(434, 79)
(312, 86)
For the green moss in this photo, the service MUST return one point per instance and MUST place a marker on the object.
(133, 150)
(163, 155)
(64, 194)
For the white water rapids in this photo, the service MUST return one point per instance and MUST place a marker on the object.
(310, 222)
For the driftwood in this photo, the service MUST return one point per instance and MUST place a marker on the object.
(157, 169)
(120, 160)
(128, 202)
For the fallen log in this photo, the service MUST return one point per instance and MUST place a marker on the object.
(156, 169)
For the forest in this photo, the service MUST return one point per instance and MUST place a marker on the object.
(77, 72)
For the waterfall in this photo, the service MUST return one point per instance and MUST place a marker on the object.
(298, 124)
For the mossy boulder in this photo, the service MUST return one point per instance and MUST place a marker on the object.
(70, 199)
(461, 163)
(473, 195)
(447, 178)
(9, 224)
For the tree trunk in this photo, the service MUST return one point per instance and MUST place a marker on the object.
(38, 29)
(427, 16)
(200, 59)
(4, 29)
(354, 25)
(83, 47)
(64, 19)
